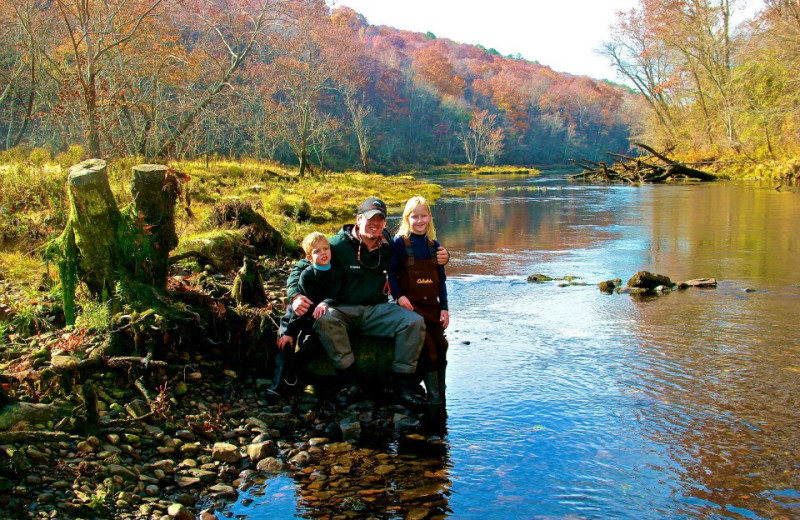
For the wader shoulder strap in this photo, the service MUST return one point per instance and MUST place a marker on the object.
(410, 249)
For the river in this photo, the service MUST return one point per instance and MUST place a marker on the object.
(567, 403)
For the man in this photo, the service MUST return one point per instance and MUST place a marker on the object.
(361, 252)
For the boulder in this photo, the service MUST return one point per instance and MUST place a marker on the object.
(648, 281)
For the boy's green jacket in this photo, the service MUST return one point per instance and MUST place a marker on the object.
(363, 282)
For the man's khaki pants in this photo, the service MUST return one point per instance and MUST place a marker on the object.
(387, 320)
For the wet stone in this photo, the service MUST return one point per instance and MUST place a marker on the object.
(271, 465)
(186, 435)
(226, 452)
(260, 450)
(222, 491)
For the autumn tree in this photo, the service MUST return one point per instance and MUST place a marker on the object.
(480, 137)
(224, 33)
(21, 27)
(351, 77)
(302, 70)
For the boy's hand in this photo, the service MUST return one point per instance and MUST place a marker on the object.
(405, 303)
(442, 256)
(301, 304)
(284, 341)
(444, 317)
(321, 309)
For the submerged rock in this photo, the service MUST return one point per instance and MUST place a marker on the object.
(698, 282)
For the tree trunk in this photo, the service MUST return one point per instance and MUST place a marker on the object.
(151, 234)
(93, 220)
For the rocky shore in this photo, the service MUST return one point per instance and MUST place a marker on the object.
(208, 438)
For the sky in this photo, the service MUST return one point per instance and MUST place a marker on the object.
(562, 34)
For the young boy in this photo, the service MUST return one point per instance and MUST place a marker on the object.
(320, 284)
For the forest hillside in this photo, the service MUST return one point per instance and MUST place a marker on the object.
(289, 80)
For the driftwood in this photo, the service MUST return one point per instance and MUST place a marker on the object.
(658, 168)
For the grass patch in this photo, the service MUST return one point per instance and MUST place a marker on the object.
(468, 169)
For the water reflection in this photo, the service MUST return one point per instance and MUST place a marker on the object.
(564, 402)
(386, 474)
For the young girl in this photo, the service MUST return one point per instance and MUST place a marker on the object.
(417, 283)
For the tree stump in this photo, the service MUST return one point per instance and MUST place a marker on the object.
(149, 234)
(103, 246)
(93, 222)
(248, 286)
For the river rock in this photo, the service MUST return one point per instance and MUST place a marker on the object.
(203, 474)
(256, 423)
(351, 428)
(418, 513)
(648, 280)
(261, 450)
(165, 465)
(538, 278)
(186, 481)
(137, 408)
(226, 452)
(122, 471)
(179, 512)
(404, 422)
(185, 435)
(608, 286)
(30, 413)
(208, 515)
(271, 465)
(222, 491)
(699, 282)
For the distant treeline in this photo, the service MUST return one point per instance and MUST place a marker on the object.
(289, 80)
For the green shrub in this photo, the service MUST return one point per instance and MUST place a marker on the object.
(38, 157)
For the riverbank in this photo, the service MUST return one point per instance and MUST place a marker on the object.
(182, 438)
(185, 416)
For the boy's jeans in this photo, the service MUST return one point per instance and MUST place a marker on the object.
(387, 320)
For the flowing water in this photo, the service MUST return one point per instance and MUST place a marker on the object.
(567, 403)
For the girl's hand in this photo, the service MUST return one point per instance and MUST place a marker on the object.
(321, 309)
(405, 303)
(284, 341)
(442, 256)
(445, 319)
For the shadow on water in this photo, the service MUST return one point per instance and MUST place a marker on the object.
(564, 402)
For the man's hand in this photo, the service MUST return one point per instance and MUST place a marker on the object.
(442, 256)
(301, 304)
(284, 341)
(405, 303)
(321, 309)
(444, 317)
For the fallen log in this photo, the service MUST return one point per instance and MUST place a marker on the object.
(625, 168)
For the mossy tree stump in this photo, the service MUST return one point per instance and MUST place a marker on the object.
(105, 247)
(93, 223)
(149, 231)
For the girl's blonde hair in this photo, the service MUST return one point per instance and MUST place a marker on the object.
(405, 226)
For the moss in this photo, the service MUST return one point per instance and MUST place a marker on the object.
(222, 248)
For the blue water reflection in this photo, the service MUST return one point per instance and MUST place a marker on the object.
(567, 403)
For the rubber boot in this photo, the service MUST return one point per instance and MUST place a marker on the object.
(405, 391)
(281, 365)
(442, 385)
(348, 388)
(433, 386)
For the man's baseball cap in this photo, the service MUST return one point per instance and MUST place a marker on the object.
(371, 207)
